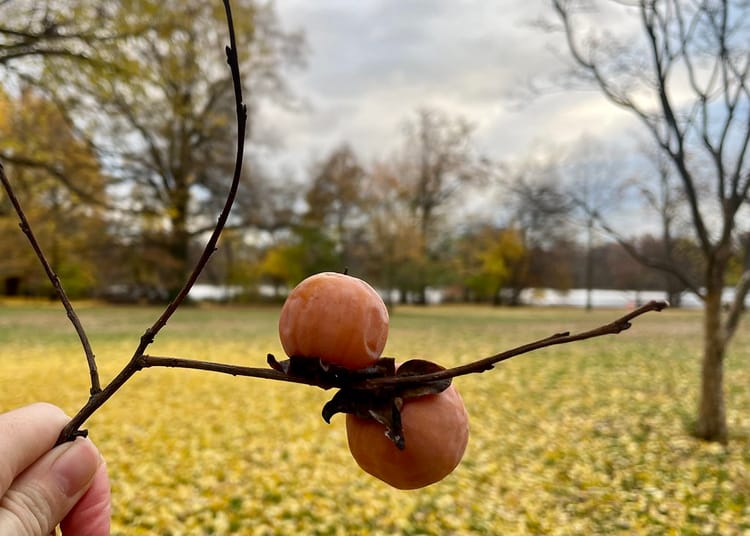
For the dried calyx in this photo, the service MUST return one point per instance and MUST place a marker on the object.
(365, 399)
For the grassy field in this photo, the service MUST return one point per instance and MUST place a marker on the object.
(589, 438)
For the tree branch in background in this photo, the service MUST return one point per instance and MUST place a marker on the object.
(55, 280)
(59, 174)
(650, 262)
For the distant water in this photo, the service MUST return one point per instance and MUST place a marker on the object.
(532, 296)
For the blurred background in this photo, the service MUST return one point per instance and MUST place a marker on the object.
(453, 147)
(561, 152)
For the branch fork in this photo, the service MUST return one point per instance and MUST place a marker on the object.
(377, 392)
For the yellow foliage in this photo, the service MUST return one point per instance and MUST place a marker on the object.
(578, 439)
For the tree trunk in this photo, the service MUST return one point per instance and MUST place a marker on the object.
(589, 274)
(712, 421)
(179, 247)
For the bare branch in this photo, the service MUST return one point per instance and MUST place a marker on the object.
(210, 247)
(56, 172)
(71, 430)
(664, 266)
(55, 280)
(738, 306)
(617, 326)
(481, 365)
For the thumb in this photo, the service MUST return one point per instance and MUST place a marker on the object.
(46, 491)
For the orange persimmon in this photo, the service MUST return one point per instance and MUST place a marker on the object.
(335, 317)
(436, 432)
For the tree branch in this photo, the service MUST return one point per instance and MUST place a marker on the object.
(613, 328)
(57, 173)
(55, 280)
(738, 306)
(71, 430)
(361, 381)
(665, 266)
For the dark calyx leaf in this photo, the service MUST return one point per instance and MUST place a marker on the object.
(326, 375)
(416, 367)
(383, 403)
(367, 404)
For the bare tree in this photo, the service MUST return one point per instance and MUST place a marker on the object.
(335, 199)
(594, 179)
(540, 212)
(439, 162)
(685, 74)
(665, 197)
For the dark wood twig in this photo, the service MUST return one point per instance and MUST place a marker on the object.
(72, 429)
(481, 365)
(613, 328)
(210, 248)
(55, 280)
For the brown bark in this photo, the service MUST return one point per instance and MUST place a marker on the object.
(712, 422)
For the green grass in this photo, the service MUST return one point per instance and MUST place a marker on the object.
(587, 438)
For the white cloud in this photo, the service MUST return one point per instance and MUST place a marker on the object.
(373, 63)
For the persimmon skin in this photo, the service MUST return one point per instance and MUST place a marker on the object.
(436, 432)
(335, 317)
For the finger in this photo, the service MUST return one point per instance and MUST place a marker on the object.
(42, 496)
(25, 435)
(91, 515)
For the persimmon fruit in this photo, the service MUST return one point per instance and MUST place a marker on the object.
(436, 432)
(335, 317)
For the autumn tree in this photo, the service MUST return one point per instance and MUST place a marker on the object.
(63, 187)
(439, 161)
(69, 31)
(394, 254)
(158, 108)
(539, 209)
(69, 35)
(486, 258)
(336, 201)
(682, 69)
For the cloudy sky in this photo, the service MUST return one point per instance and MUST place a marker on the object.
(373, 63)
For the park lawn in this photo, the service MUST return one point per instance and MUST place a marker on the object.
(587, 438)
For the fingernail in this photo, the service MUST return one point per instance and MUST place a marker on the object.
(76, 466)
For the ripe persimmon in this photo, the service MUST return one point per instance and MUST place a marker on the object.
(436, 432)
(335, 317)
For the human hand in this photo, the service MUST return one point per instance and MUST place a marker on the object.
(42, 487)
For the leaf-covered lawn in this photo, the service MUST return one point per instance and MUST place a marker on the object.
(589, 438)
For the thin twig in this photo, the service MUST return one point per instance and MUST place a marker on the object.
(136, 363)
(210, 247)
(617, 326)
(481, 365)
(55, 280)
(148, 361)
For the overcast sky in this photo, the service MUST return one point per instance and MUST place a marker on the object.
(372, 63)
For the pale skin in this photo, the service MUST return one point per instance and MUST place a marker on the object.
(44, 488)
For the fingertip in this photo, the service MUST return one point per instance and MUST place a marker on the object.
(49, 409)
(27, 434)
(91, 515)
(75, 468)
